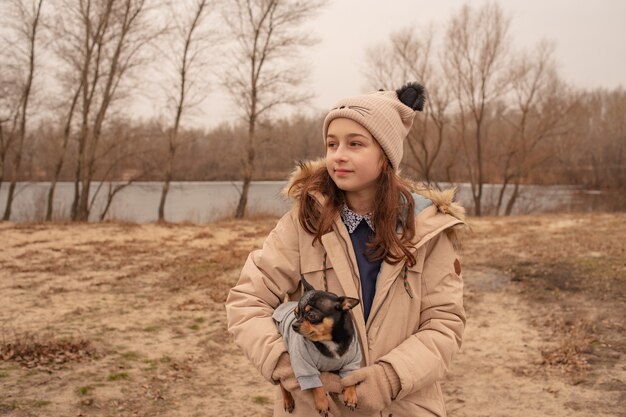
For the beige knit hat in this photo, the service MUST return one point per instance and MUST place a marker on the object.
(387, 115)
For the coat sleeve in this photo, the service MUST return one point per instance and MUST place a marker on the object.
(425, 357)
(268, 275)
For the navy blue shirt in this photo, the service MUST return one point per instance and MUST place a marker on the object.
(361, 231)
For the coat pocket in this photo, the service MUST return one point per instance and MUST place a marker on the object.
(427, 402)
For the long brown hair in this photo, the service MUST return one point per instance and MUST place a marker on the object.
(393, 216)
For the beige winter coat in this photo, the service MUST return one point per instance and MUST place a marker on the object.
(417, 329)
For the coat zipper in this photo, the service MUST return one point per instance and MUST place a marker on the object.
(373, 313)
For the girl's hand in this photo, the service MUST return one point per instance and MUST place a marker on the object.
(284, 373)
(376, 386)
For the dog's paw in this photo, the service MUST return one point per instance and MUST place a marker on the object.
(289, 405)
(351, 406)
(349, 397)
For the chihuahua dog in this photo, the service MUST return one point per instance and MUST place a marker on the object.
(320, 336)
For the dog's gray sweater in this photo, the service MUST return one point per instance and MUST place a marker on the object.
(306, 360)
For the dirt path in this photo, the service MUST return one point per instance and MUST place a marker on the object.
(499, 371)
(123, 320)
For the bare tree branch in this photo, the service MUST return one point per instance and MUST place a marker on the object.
(260, 77)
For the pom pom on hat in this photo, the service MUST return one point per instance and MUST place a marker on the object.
(387, 115)
(413, 95)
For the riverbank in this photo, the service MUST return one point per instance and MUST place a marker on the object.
(121, 319)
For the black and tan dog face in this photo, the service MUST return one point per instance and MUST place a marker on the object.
(318, 312)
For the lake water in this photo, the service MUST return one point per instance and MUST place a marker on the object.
(202, 202)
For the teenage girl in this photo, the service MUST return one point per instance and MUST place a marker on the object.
(358, 229)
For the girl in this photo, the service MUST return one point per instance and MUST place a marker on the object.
(357, 229)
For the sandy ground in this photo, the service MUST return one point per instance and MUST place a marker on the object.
(128, 320)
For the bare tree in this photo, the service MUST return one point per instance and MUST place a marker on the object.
(101, 43)
(540, 104)
(114, 187)
(189, 46)
(476, 61)
(26, 23)
(614, 144)
(67, 130)
(594, 153)
(262, 74)
(9, 113)
(407, 56)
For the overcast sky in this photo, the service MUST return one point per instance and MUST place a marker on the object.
(590, 39)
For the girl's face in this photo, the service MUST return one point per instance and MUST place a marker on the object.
(354, 159)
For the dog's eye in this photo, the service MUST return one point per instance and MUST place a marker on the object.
(313, 317)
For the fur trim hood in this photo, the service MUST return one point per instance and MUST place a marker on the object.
(424, 196)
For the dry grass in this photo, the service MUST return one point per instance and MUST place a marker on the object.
(572, 270)
(30, 350)
(151, 298)
(575, 340)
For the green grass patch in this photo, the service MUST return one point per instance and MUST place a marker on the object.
(3, 374)
(194, 327)
(204, 268)
(42, 403)
(165, 359)
(151, 364)
(601, 266)
(152, 329)
(116, 376)
(6, 408)
(261, 399)
(131, 356)
(85, 390)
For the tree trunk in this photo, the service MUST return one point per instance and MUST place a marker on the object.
(243, 198)
(247, 179)
(501, 195)
(51, 198)
(477, 199)
(59, 164)
(55, 179)
(511, 203)
(111, 194)
(3, 155)
(479, 159)
(74, 213)
(248, 169)
(82, 214)
(166, 187)
(7, 209)
(25, 98)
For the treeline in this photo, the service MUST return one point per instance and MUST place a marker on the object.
(495, 113)
(588, 150)
(138, 151)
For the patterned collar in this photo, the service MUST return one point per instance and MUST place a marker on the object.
(352, 219)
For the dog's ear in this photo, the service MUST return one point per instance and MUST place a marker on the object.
(305, 284)
(346, 303)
